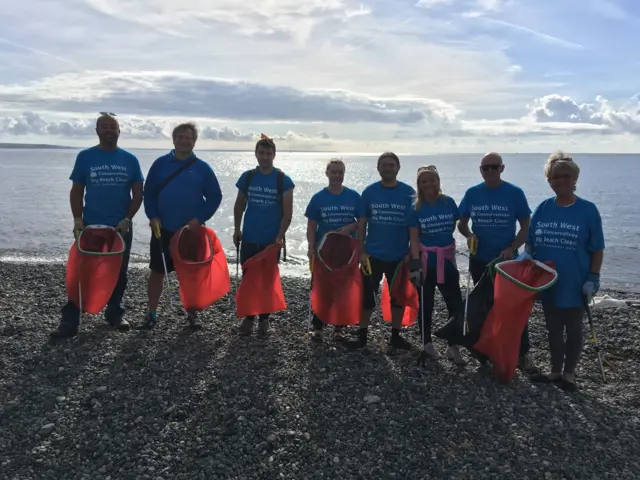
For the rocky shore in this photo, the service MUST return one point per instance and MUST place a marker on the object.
(172, 404)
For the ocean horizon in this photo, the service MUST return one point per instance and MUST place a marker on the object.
(36, 224)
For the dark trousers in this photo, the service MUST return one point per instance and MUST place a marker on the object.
(564, 354)
(450, 291)
(318, 325)
(477, 268)
(248, 250)
(115, 306)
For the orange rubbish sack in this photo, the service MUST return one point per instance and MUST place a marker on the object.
(260, 290)
(201, 267)
(337, 288)
(404, 293)
(93, 267)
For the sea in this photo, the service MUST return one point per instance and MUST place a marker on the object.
(36, 222)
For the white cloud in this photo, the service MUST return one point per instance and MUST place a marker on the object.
(171, 94)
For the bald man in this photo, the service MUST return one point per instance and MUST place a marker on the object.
(106, 190)
(495, 207)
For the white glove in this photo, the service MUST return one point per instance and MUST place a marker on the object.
(124, 226)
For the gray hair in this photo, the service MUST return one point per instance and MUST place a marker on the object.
(560, 158)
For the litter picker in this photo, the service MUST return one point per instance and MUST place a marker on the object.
(472, 251)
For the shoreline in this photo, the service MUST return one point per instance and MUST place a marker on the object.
(210, 404)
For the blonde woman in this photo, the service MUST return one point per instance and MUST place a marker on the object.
(566, 230)
(432, 222)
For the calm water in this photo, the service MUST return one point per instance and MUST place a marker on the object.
(36, 223)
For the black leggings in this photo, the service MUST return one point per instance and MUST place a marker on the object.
(477, 268)
(372, 282)
(564, 354)
(450, 291)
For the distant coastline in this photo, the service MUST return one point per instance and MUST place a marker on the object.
(33, 146)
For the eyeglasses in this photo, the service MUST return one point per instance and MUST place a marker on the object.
(108, 113)
(486, 168)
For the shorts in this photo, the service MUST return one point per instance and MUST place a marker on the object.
(157, 247)
(372, 282)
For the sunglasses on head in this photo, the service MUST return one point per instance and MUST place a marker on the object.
(108, 113)
(494, 166)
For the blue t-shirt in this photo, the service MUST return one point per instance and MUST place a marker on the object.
(386, 210)
(263, 214)
(333, 211)
(436, 223)
(494, 214)
(107, 178)
(566, 236)
(193, 193)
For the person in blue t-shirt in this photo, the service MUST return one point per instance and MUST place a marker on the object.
(383, 236)
(494, 208)
(106, 190)
(181, 190)
(566, 230)
(267, 195)
(335, 208)
(432, 222)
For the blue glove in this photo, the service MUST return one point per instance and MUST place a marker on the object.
(591, 286)
(524, 256)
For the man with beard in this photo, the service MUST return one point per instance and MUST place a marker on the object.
(106, 190)
(383, 235)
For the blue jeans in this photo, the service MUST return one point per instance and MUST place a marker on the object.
(115, 306)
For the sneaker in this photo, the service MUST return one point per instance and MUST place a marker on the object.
(150, 321)
(64, 330)
(453, 354)
(246, 327)
(118, 322)
(400, 343)
(338, 333)
(316, 335)
(263, 328)
(525, 363)
(359, 342)
(194, 321)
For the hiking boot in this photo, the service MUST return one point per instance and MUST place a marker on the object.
(246, 327)
(150, 321)
(263, 328)
(453, 354)
(525, 363)
(338, 333)
(399, 342)
(64, 330)
(194, 321)
(430, 350)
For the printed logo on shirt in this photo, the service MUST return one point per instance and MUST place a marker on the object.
(490, 215)
(108, 175)
(434, 224)
(557, 235)
(388, 214)
(263, 196)
(338, 214)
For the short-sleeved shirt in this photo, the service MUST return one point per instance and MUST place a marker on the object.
(333, 211)
(494, 214)
(107, 178)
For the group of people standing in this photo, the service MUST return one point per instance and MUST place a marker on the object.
(394, 223)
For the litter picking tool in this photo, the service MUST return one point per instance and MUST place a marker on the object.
(593, 338)
(157, 233)
(311, 267)
(237, 265)
(422, 358)
(472, 251)
(366, 270)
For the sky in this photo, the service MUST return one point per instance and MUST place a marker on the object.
(419, 76)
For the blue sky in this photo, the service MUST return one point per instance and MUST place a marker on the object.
(349, 75)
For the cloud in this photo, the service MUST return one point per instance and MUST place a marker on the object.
(558, 108)
(172, 94)
(31, 124)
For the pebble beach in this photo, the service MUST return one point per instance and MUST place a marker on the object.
(175, 404)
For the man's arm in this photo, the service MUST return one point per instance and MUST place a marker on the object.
(596, 262)
(287, 213)
(213, 199)
(521, 237)
(238, 210)
(136, 199)
(463, 227)
(362, 231)
(76, 199)
(414, 242)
